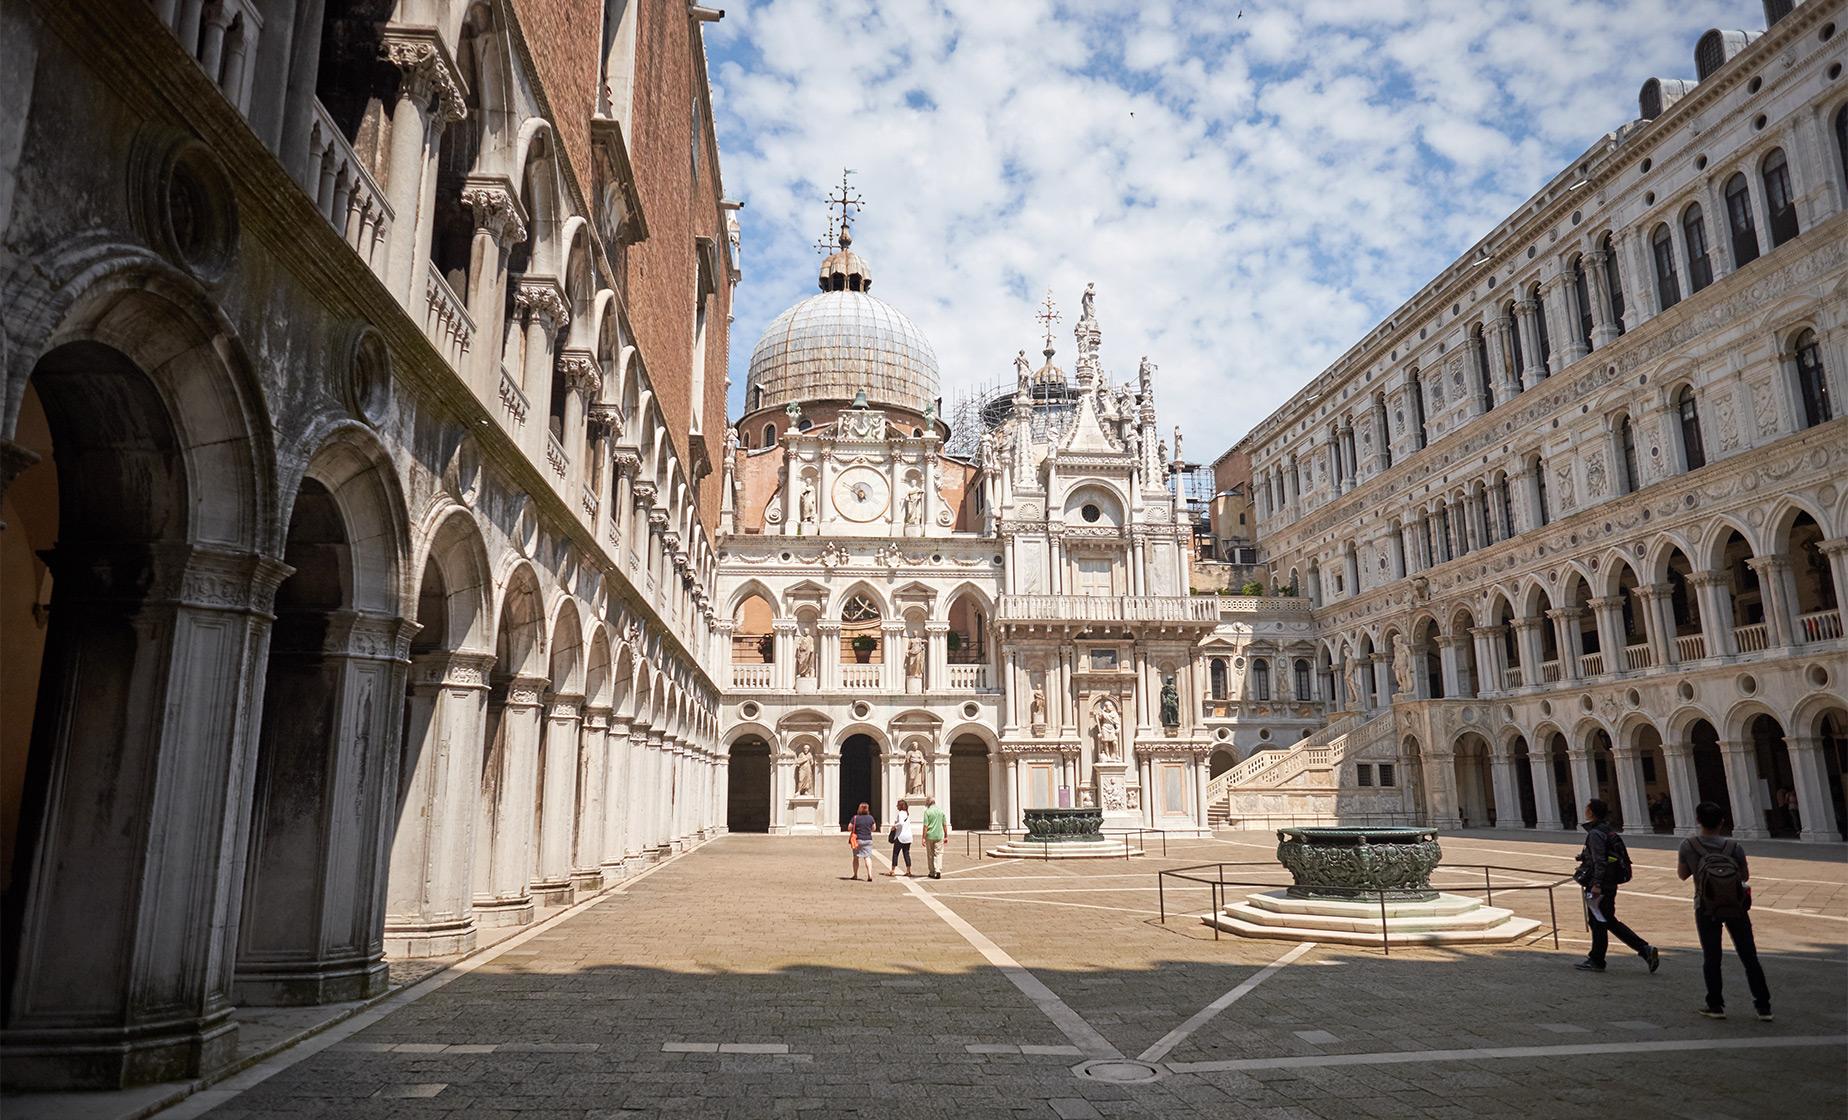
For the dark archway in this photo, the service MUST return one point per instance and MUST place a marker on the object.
(859, 776)
(1524, 783)
(969, 804)
(747, 786)
(1710, 770)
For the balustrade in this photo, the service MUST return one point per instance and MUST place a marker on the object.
(752, 676)
(861, 678)
(221, 36)
(513, 401)
(1549, 671)
(1690, 647)
(1591, 664)
(345, 192)
(555, 455)
(1637, 657)
(446, 320)
(1511, 677)
(1752, 638)
(1820, 626)
(969, 676)
(1106, 608)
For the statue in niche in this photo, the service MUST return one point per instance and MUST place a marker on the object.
(914, 769)
(1108, 722)
(806, 505)
(1286, 683)
(1036, 708)
(1402, 663)
(914, 656)
(1351, 673)
(1170, 704)
(805, 654)
(805, 772)
(914, 505)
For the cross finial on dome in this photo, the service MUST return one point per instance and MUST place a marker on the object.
(848, 202)
(1048, 315)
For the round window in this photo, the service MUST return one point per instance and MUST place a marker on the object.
(1090, 512)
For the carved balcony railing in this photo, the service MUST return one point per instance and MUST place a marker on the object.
(345, 192)
(1549, 672)
(1751, 638)
(752, 676)
(555, 455)
(1109, 608)
(1637, 657)
(589, 500)
(221, 36)
(968, 676)
(1820, 626)
(513, 401)
(1511, 677)
(446, 321)
(1591, 664)
(862, 678)
(1690, 647)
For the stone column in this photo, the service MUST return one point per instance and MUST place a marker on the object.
(1837, 552)
(1774, 585)
(617, 805)
(1748, 810)
(1584, 776)
(1660, 624)
(1441, 787)
(509, 792)
(1012, 787)
(997, 792)
(638, 796)
(558, 774)
(660, 824)
(1604, 328)
(892, 654)
(1629, 774)
(1713, 595)
(1683, 786)
(1506, 788)
(1527, 640)
(428, 911)
(313, 910)
(1546, 795)
(1447, 658)
(1566, 636)
(583, 385)
(427, 97)
(1607, 612)
(1810, 774)
(1524, 312)
(828, 654)
(499, 226)
(593, 771)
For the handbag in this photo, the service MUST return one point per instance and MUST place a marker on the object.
(892, 836)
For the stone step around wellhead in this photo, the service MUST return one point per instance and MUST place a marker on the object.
(1445, 920)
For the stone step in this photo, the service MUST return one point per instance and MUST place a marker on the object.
(1509, 929)
(1281, 902)
(1069, 849)
(1476, 918)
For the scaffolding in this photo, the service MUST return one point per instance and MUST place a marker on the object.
(982, 410)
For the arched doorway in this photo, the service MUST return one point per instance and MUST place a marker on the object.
(1776, 780)
(969, 787)
(1475, 802)
(1710, 770)
(859, 776)
(747, 786)
(1560, 767)
(1604, 776)
(1524, 782)
(1657, 793)
(1221, 761)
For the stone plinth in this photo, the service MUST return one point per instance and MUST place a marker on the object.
(1443, 919)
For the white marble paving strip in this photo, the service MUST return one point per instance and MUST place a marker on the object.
(1414, 1057)
(1318, 1038)
(1070, 1024)
(1200, 1018)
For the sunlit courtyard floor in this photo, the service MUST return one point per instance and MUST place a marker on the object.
(749, 978)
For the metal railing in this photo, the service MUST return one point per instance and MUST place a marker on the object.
(1213, 877)
(1007, 836)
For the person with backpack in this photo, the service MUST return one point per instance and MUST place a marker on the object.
(1603, 866)
(1722, 901)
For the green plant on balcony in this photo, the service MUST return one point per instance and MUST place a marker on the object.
(863, 647)
(1252, 587)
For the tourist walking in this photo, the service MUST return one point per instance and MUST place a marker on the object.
(1603, 866)
(1722, 901)
(901, 840)
(860, 840)
(936, 831)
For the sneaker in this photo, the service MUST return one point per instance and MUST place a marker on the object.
(1589, 966)
(1654, 957)
(1764, 1015)
(1712, 1012)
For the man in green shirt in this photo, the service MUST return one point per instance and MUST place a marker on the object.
(936, 829)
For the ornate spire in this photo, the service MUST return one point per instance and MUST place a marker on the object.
(844, 269)
(1088, 337)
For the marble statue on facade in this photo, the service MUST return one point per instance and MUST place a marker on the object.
(807, 503)
(914, 769)
(1351, 674)
(914, 656)
(805, 772)
(1037, 708)
(1023, 370)
(1087, 302)
(1286, 683)
(805, 654)
(1109, 724)
(1402, 664)
(914, 505)
(1170, 704)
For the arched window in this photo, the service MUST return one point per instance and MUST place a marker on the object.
(1514, 343)
(1216, 674)
(1626, 450)
(1693, 449)
(1383, 430)
(1613, 279)
(769, 435)
(1739, 221)
(1260, 679)
(1668, 285)
(1779, 203)
(1812, 381)
(1479, 346)
(1546, 346)
(1418, 411)
(1700, 264)
(1303, 690)
(1581, 294)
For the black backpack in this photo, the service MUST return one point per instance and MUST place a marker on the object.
(1718, 887)
(1616, 852)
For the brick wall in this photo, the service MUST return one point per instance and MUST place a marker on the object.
(565, 37)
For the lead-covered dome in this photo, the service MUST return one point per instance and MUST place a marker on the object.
(839, 341)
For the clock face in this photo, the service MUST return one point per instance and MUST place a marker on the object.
(860, 494)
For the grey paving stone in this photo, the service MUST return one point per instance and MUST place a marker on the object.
(414, 1090)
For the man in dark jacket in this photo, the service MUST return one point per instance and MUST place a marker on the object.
(1599, 866)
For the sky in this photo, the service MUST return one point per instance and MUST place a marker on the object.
(1251, 187)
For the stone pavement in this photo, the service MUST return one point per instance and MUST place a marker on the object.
(749, 979)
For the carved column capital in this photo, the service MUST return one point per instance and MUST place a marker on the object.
(581, 374)
(430, 75)
(542, 298)
(496, 208)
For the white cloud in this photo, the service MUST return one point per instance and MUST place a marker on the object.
(1250, 194)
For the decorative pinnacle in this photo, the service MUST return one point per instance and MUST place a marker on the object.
(847, 203)
(1048, 315)
(826, 245)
